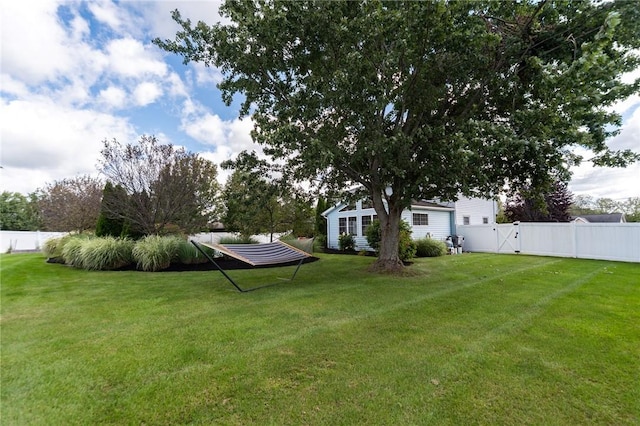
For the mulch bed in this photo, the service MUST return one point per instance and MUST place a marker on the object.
(228, 264)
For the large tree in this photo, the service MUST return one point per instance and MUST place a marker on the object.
(71, 204)
(160, 187)
(19, 212)
(423, 100)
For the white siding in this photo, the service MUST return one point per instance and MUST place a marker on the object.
(333, 220)
(439, 220)
(476, 209)
(439, 223)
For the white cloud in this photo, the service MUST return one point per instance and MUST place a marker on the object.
(12, 86)
(43, 141)
(34, 46)
(616, 183)
(130, 58)
(207, 75)
(107, 13)
(229, 137)
(176, 85)
(158, 14)
(146, 93)
(113, 97)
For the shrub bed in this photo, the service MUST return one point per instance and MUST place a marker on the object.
(106, 253)
(154, 252)
(426, 247)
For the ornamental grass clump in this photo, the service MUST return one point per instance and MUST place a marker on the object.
(106, 253)
(52, 248)
(188, 254)
(72, 250)
(155, 253)
(238, 240)
(426, 247)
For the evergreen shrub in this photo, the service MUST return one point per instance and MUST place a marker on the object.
(346, 242)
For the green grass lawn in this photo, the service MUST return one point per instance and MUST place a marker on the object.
(471, 339)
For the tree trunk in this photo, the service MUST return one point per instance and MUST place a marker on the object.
(388, 260)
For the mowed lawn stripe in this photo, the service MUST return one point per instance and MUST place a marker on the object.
(476, 338)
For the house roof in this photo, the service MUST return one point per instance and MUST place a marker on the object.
(602, 218)
(429, 205)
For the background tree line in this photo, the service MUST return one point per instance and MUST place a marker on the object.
(154, 188)
(557, 204)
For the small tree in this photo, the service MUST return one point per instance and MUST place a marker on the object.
(528, 205)
(631, 209)
(251, 199)
(109, 224)
(71, 204)
(258, 199)
(161, 186)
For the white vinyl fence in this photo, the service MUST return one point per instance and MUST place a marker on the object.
(11, 241)
(606, 241)
(25, 240)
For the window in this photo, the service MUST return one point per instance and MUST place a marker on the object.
(366, 221)
(348, 225)
(350, 207)
(353, 225)
(485, 220)
(420, 219)
(367, 203)
(466, 220)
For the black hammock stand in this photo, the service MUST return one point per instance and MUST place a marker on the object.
(268, 254)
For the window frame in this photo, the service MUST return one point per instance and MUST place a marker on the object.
(417, 219)
(352, 225)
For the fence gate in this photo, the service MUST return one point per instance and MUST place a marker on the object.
(509, 238)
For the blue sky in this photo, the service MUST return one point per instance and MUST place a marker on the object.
(76, 73)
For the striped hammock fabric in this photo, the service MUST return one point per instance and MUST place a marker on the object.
(261, 254)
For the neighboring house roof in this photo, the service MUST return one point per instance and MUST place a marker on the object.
(600, 218)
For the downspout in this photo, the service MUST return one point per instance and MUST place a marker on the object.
(452, 222)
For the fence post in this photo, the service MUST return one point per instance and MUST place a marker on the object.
(574, 239)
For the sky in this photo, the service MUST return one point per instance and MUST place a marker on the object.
(74, 74)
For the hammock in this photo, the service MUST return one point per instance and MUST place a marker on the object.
(268, 254)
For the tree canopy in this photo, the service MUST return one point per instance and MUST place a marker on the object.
(586, 204)
(529, 205)
(159, 187)
(19, 212)
(71, 204)
(424, 100)
(258, 200)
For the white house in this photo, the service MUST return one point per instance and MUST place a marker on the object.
(430, 219)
